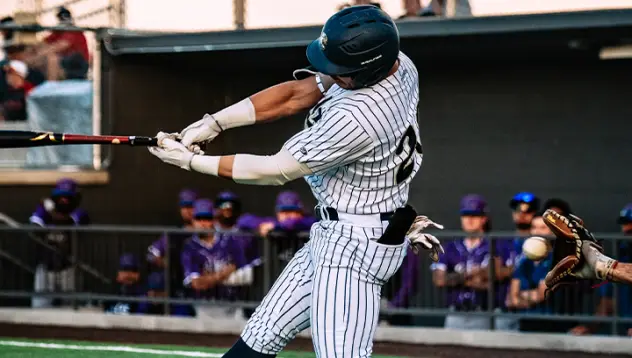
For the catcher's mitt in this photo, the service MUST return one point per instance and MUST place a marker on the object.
(576, 254)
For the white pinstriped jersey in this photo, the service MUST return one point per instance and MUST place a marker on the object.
(363, 145)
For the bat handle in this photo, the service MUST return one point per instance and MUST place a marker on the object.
(143, 141)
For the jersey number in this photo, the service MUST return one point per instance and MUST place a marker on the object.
(316, 113)
(406, 168)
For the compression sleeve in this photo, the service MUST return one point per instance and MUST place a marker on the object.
(275, 169)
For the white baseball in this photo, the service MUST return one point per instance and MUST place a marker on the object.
(535, 248)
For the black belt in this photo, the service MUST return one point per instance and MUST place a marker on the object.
(332, 214)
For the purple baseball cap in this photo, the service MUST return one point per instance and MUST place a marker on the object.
(128, 262)
(203, 208)
(473, 204)
(288, 201)
(65, 187)
(187, 197)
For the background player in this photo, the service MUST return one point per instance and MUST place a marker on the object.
(359, 151)
(208, 260)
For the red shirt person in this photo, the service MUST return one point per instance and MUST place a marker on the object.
(68, 44)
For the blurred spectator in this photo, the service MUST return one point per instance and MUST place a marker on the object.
(227, 211)
(558, 205)
(7, 35)
(359, 2)
(524, 205)
(209, 261)
(623, 299)
(290, 215)
(55, 272)
(229, 220)
(156, 289)
(17, 79)
(18, 86)
(129, 285)
(463, 269)
(70, 50)
(288, 230)
(527, 292)
(414, 8)
(156, 252)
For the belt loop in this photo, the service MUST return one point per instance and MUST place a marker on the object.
(324, 213)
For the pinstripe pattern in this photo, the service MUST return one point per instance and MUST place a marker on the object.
(334, 282)
(350, 141)
(363, 147)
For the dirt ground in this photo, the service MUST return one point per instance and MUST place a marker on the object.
(152, 337)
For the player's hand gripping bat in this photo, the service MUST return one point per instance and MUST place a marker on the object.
(22, 139)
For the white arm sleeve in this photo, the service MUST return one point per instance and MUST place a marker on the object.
(275, 169)
(242, 277)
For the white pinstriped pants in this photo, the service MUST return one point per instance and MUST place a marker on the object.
(332, 284)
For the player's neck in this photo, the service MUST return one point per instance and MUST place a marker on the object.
(394, 68)
(472, 241)
(207, 240)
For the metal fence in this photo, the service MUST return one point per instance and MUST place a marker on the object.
(94, 253)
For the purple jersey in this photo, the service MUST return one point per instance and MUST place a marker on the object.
(458, 258)
(199, 258)
(410, 272)
(251, 222)
(508, 258)
(61, 240)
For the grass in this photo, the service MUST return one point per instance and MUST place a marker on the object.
(23, 348)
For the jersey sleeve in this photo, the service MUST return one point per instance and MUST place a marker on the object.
(249, 222)
(157, 248)
(237, 255)
(443, 263)
(188, 266)
(334, 141)
(39, 216)
(519, 271)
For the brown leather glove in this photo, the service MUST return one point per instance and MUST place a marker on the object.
(576, 254)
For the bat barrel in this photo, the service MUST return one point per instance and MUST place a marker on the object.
(22, 139)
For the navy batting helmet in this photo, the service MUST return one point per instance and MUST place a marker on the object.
(361, 42)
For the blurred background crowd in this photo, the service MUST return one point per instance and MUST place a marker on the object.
(220, 260)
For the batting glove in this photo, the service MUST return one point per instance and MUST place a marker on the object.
(204, 130)
(419, 239)
(172, 152)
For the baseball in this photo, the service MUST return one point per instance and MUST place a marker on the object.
(535, 248)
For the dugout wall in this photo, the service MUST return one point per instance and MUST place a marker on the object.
(507, 104)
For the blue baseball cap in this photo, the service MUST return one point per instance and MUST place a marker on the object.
(288, 201)
(128, 262)
(65, 187)
(203, 209)
(625, 215)
(473, 205)
(525, 202)
(156, 281)
(187, 197)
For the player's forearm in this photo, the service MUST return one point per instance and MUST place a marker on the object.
(252, 169)
(622, 273)
(451, 279)
(212, 279)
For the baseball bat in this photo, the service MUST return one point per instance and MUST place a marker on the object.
(23, 139)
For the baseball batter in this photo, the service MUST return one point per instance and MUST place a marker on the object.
(359, 151)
